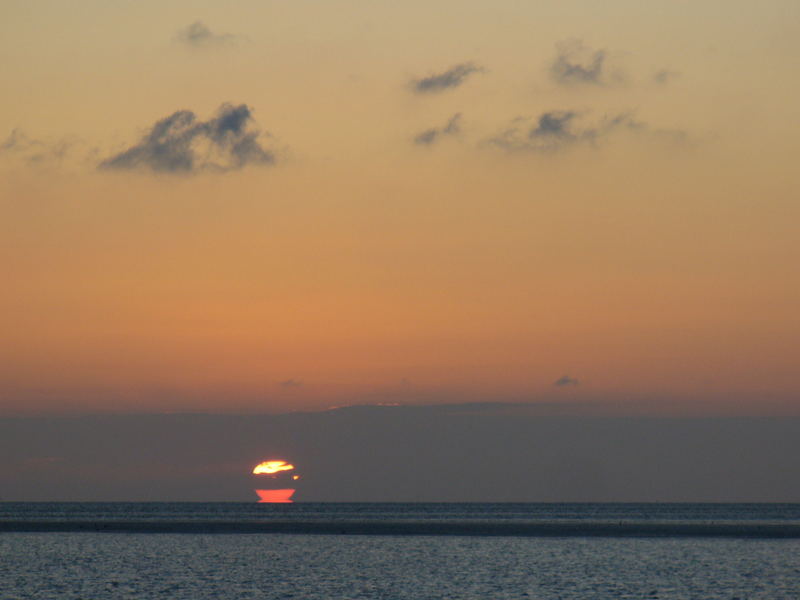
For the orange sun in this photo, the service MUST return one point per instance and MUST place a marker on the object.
(272, 479)
(283, 496)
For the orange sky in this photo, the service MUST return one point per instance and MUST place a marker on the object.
(642, 241)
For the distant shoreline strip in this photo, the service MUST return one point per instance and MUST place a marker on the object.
(414, 528)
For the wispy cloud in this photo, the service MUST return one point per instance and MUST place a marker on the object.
(556, 130)
(180, 143)
(198, 35)
(451, 78)
(434, 134)
(290, 384)
(575, 63)
(34, 151)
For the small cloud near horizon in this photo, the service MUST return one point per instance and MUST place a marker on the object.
(290, 383)
(566, 380)
(198, 35)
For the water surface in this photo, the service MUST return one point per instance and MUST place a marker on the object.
(200, 566)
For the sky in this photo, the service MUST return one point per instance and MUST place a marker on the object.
(280, 206)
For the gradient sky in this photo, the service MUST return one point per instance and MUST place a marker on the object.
(418, 202)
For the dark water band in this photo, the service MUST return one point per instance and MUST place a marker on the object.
(459, 528)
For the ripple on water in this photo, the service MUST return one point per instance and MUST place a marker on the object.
(87, 565)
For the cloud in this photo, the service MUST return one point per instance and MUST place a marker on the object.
(452, 78)
(554, 124)
(577, 64)
(556, 130)
(34, 151)
(663, 76)
(20, 144)
(290, 384)
(434, 134)
(198, 35)
(565, 380)
(14, 140)
(180, 143)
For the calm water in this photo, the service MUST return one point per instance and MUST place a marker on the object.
(200, 566)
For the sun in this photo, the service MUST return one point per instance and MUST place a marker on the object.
(275, 480)
(272, 466)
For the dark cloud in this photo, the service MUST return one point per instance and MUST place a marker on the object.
(452, 78)
(576, 64)
(556, 130)
(434, 134)
(180, 143)
(556, 124)
(565, 380)
(199, 35)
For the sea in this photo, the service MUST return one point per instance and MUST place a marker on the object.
(481, 551)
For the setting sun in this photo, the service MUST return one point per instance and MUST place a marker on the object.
(272, 466)
(274, 480)
(282, 496)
